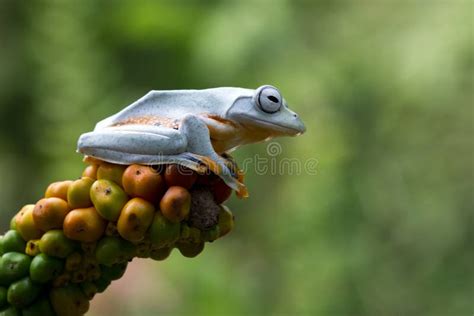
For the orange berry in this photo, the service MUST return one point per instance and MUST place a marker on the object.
(135, 219)
(58, 189)
(177, 175)
(49, 213)
(25, 223)
(144, 182)
(112, 172)
(90, 171)
(175, 204)
(84, 224)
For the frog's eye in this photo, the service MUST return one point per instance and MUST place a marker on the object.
(269, 99)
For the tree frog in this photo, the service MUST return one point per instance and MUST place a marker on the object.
(193, 128)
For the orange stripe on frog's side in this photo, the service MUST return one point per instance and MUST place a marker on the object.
(150, 120)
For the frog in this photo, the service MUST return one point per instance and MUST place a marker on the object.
(193, 128)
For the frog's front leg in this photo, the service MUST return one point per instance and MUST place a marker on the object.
(199, 144)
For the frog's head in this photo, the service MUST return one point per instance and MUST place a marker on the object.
(267, 109)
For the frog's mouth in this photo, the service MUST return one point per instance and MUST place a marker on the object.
(298, 129)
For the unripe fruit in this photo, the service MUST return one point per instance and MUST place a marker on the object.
(190, 234)
(54, 243)
(49, 213)
(177, 175)
(25, 224)
(190, 250)
(114, 272)
(13, 222)
(23, 292)
(226, 221)
(44, 268)
(90, 171)
(69, 301)
(89, 289)
(113, 250)
(102, 284)
(143, 250)
(78, 195)
(175, 204)
(108, 199)
(162, 232)
(111, 172)
(10, 311)
(144, 182)
(211, 234)
(13, 266)
(84, 224)
(41, 307)
(58, 189)
(135, 218)
(221, 191)
(13, 242)
(161, 253)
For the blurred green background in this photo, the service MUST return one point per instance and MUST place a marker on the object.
(385, 227)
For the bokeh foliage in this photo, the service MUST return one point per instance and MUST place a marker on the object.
(385, 89)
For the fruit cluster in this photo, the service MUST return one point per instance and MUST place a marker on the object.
(79, 238)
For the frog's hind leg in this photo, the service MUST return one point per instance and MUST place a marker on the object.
(132, 141)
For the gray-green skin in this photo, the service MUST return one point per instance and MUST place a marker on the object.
(262, 109)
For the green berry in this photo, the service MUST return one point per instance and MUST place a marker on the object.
(190, 250)
(114, 272)
(45, 268)
(10, 311)
(54, 243)
(78, 193)
(89, 289)
(23, 292)
(13, 242)
(102, 284)
(13, 266)
(69, 300)
(162, 232)
(108, 199)
(13, 223)
(41, 307)
(211, 235)
(160, 254)
(112, 250)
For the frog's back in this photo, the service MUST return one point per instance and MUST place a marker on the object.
(172, 105)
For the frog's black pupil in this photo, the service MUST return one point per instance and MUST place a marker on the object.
(273, 99)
